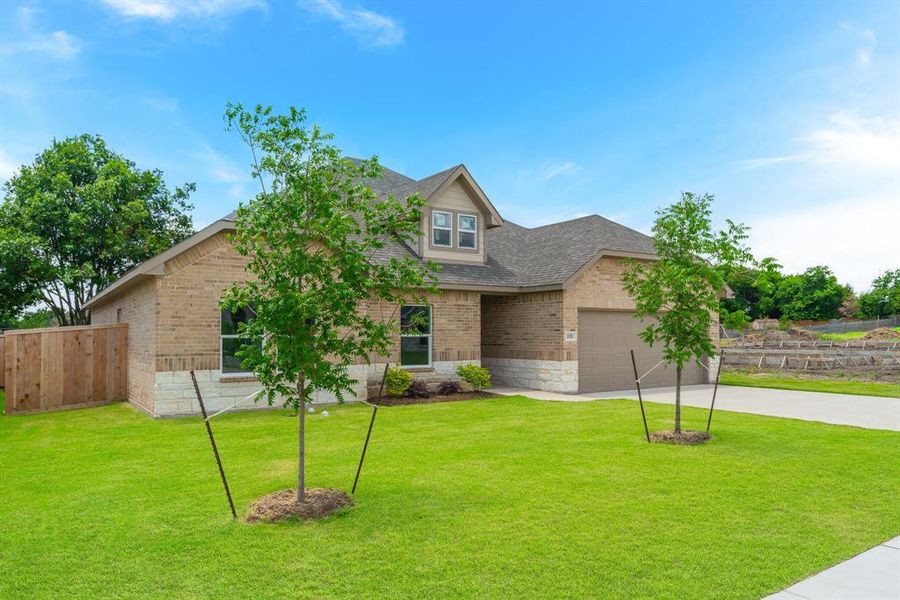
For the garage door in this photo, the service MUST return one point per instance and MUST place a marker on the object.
(604, 363)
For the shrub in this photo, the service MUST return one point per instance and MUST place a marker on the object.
(478, 377)
(418, 389)
(397, 381)
(449, 387)
(784, 324)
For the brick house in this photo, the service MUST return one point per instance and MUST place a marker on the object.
(541, 308)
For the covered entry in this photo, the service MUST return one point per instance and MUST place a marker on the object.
(604, 364)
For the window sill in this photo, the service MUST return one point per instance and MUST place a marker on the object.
(422, 369)
(236, 377)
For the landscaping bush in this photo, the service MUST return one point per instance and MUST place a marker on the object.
(450, 387)
(478, 377)
(418, 389)
(397, 381)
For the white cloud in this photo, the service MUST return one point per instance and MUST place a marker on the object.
(370, 28)
(223, 170)
(851, 165)
(170, 10)
(853, 141)
(847, 142)
(560, 169)
(160, 103)
(60, 45)
(856, 237)
(8, 166)
(866, 42)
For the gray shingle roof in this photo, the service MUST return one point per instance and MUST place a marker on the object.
(518, 257)
(548, 255)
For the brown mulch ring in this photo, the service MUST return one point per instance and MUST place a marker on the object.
(283, 505)
(401, 400)
(686, 437)
(882, 333)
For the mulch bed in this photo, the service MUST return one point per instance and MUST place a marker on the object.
(401, 400)
(283, 505)
(686, 437)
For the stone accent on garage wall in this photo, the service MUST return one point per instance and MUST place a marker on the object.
(548, 375)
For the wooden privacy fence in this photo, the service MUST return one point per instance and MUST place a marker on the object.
(2, 358)
(65, 367)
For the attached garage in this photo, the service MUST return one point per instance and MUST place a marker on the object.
(605, 339)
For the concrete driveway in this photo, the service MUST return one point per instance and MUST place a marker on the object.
(840, 409)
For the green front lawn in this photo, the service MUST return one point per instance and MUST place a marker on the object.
(508, 497)
(833, 386)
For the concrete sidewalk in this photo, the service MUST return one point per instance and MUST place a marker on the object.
(872, 575)
(870, 412)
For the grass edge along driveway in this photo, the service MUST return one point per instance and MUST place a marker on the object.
(492, 498)
(830, 386)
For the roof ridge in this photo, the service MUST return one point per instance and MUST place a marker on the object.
(581, 218)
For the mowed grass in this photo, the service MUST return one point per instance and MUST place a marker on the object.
(833, 386)
(507, 497)
(850, 335)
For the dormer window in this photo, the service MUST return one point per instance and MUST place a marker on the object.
(442, 229)
(467, 231)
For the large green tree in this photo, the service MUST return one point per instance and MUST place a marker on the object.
(883, 299)
(813, 295)
(754, 289)
(679, 292)
(317, 237)
(78, 218)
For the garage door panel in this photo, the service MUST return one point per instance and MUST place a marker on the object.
(604, 362)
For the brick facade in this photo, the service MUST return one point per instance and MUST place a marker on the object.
(137, 307)
(523, 326)
(174, 327)
(598, 287)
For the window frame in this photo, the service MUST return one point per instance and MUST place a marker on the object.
(460, 230)
(429, 335)
(436, 228)
(222, 338)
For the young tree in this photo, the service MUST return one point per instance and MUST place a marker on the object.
(317, 236)
(78, 218)
(679, 291)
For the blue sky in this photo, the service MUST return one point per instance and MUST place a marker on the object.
(788, 112)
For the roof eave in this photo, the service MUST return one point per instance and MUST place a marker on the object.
(495, 219)
(154, 267)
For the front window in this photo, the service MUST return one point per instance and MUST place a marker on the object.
(442, 229)
(231, 341)
(467, 234)
(415, 336)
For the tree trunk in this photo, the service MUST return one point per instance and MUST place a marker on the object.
(677, 399)
(301, 475)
